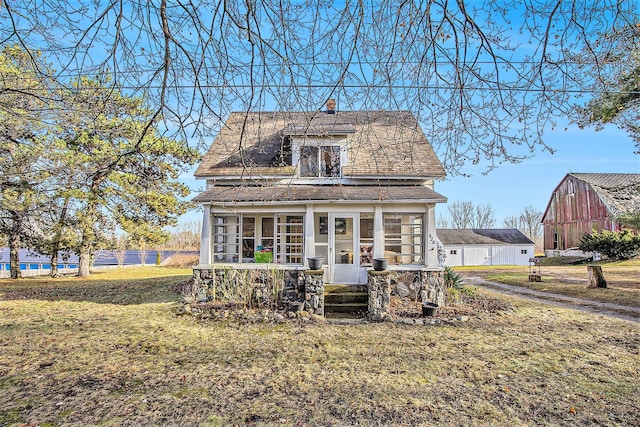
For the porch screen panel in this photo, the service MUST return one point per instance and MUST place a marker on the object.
(403, 238)
(248, 238)
(366, 239)
(226, 238)
(290, 239)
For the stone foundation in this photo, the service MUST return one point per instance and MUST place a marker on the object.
(379, 288)
(314, 291)
(418, 285)
(256, 287)
(280, 288)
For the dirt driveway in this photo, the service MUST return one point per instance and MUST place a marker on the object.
(606, 309)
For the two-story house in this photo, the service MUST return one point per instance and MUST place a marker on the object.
(348, 187)
(344, 186)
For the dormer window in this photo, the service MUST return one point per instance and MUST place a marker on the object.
(320, 161)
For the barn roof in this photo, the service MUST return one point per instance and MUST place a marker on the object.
(482, 236)
(381, 144)
(620, 192)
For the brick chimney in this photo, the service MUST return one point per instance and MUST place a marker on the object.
(331, 106)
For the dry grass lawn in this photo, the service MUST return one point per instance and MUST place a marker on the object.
(623, 280)
(110, 351)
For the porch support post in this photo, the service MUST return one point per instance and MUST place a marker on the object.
(309, 233)
(431, 240)
(205, 240)
(378, 233)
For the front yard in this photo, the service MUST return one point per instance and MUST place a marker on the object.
(623, 280)
(111, 351)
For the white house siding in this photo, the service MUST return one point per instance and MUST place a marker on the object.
(453, 255)
(473, 255)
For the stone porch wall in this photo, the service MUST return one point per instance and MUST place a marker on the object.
(275, 288)
(281, 288)
(418, 285)
(423, 286)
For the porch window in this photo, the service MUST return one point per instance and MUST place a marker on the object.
(403, 238)
(249, 239)
(323, 161)
(366, 239)
(290, 239)
(226, 238)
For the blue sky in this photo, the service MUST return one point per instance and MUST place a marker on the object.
(511, 187)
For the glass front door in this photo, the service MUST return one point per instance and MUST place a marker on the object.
(343, 254)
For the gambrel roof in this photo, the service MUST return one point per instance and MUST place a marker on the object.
(382, 144)
(619, 192)
(482, 236)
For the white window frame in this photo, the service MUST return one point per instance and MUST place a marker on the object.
(288, 237)
(335, 153)
(409, 237)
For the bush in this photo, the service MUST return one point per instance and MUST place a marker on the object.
(181, 261)
(615, 245)
(454, 285)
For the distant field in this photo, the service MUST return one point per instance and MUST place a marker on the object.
(623, 280)
(111, 351)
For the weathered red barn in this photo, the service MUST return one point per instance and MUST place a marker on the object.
(584, 202)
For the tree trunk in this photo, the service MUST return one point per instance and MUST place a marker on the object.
(14, 246)
(57, 238)
(54, 263)
(84, 255)
(84, 263)
(596, 277)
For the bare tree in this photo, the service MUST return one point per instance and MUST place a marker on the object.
(618, 100)
(442, 222)
(485, 216)
(466, 215)
(531, 222)
(461, 214)
(484, 80)
(120, 246)
(511, 222)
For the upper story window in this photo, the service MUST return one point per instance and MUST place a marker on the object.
(321, 161)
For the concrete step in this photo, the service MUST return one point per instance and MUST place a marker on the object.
(338, 289)
(345, 300)
(345, 308)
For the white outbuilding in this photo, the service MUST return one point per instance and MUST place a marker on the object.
(485, 246)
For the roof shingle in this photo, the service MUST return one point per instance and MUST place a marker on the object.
(620, 192)
(268, 194)
(485, 236)
(381, 144)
